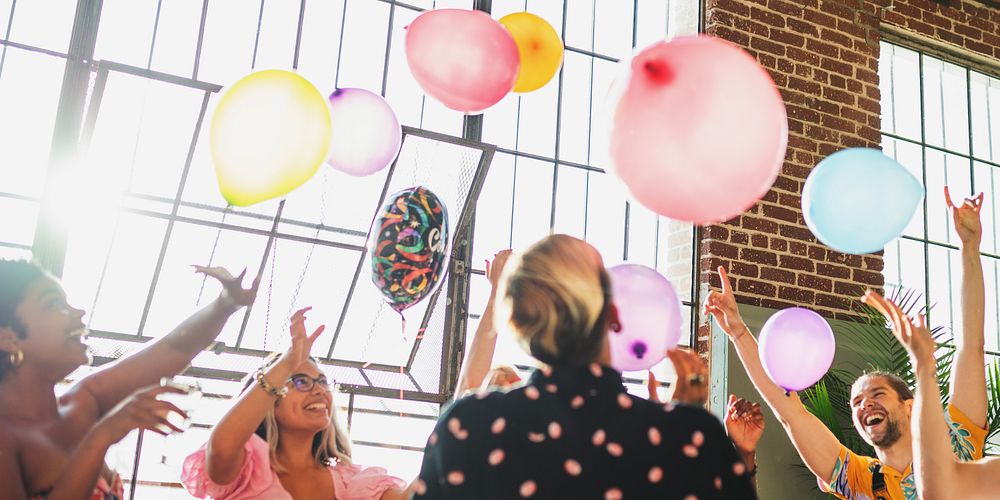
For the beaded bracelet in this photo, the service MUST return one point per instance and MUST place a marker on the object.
(268, 388)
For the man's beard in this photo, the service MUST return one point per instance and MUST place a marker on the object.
(892, 434)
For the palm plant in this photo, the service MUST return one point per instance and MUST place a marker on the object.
(871, 341)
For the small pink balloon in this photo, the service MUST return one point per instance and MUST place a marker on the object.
(699, 130)
(463, 58)
(796, 348)
(366, 132)
(649, 313)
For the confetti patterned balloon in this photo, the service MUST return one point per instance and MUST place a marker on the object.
(409, 247)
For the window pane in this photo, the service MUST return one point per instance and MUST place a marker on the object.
(946, 118)
(125, 29)
(44, 23)
(899, 74)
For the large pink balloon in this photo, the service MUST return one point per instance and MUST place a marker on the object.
(796, 348)
(699, 130)
(463, 58)
(649, 313)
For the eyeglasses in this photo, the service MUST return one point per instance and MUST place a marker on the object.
(304, 383)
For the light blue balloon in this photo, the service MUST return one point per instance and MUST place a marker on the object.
(857, 200)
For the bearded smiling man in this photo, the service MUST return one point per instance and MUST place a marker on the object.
(881, 403)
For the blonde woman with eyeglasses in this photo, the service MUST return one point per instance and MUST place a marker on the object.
(281, 440)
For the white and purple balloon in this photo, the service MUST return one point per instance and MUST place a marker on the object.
(796, 348)
(366, 132)
(649, 313)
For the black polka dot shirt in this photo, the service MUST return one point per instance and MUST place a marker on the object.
(575, 433)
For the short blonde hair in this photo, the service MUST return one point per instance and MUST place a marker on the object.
(555, 298)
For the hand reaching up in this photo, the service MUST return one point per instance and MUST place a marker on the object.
(233, 294)
(721, 304)
(966, 218)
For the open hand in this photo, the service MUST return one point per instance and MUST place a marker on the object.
(301, 346)
(141, 410)
(233, 293)
(915, 336)
(494, 268)
(966, 218)
(744, 424)
(721, 304)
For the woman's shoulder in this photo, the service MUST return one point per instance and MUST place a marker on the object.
(361, 482)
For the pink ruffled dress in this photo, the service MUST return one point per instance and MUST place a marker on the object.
(256, 480)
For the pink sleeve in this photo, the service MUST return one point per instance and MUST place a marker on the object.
(365, 483)
(254, 477)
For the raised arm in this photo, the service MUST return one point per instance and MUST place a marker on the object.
(170, 354)
(225, 450)
(484, 342)
(817, 446)
(967, 371)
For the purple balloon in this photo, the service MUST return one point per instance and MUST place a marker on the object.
(650, 316)
(366, 133)
(796, 348)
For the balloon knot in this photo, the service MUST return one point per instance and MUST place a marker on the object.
(659, 72)
(639, 349)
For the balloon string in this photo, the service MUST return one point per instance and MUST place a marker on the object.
(211, 256)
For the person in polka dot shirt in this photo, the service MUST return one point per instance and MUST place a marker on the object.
(572, 431)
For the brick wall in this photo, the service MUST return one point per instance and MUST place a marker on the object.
(823, 55)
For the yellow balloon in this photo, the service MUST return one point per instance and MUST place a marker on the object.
(270, 133)
(540, 48)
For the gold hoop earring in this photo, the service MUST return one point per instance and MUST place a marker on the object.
(16, 358)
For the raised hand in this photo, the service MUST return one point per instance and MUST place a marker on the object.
(915, 336)
(692, 377)
(722, 306)
(141, 410)
(966, 218)
(494, 268)
(301, 345)
(744, 424)
(233, 293)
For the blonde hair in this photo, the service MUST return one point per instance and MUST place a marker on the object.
(555, 298)
(331, 445)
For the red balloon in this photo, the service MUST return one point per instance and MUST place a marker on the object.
(463, 58)
(699, 130)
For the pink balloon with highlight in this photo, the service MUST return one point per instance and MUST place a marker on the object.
(796, 348)
(463, 58)
(366, 132)
(699, 130)
(649, 313)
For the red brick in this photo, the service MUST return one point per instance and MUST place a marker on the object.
(715, 232)
(797, 248)
(757, 287)
(839, 96)
(949, 37)
(735, 6)
(768, 46)
(845, 289)
(796, 295)
(844, 258)
(817, 253)
(759, 224)
(796, 263)
(833, 271)
(803, 56)
(874, 263)
(822, 48)
(838, 82)
(868, 277)
(758, 240)
(743, 269)
(835, 36)
(775, 304)
(969, 32)
(769, 18)
(737, 37)
(759, 256)
(779, 245)
(832, 301)
(813, 282)
(838, 124)
(982, 48)
(752, 27)
(774, 274)
(739, 238)
(936, 20)
(920, 27)
(787, 8)
(870, 105)
(866, 76)
(781, 213)
(720, 249)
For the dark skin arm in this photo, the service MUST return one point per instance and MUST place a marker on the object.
(172, 353)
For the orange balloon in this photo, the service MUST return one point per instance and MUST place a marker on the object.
(539, 46)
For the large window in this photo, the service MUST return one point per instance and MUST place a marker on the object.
(942, 121)
(139, 202)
